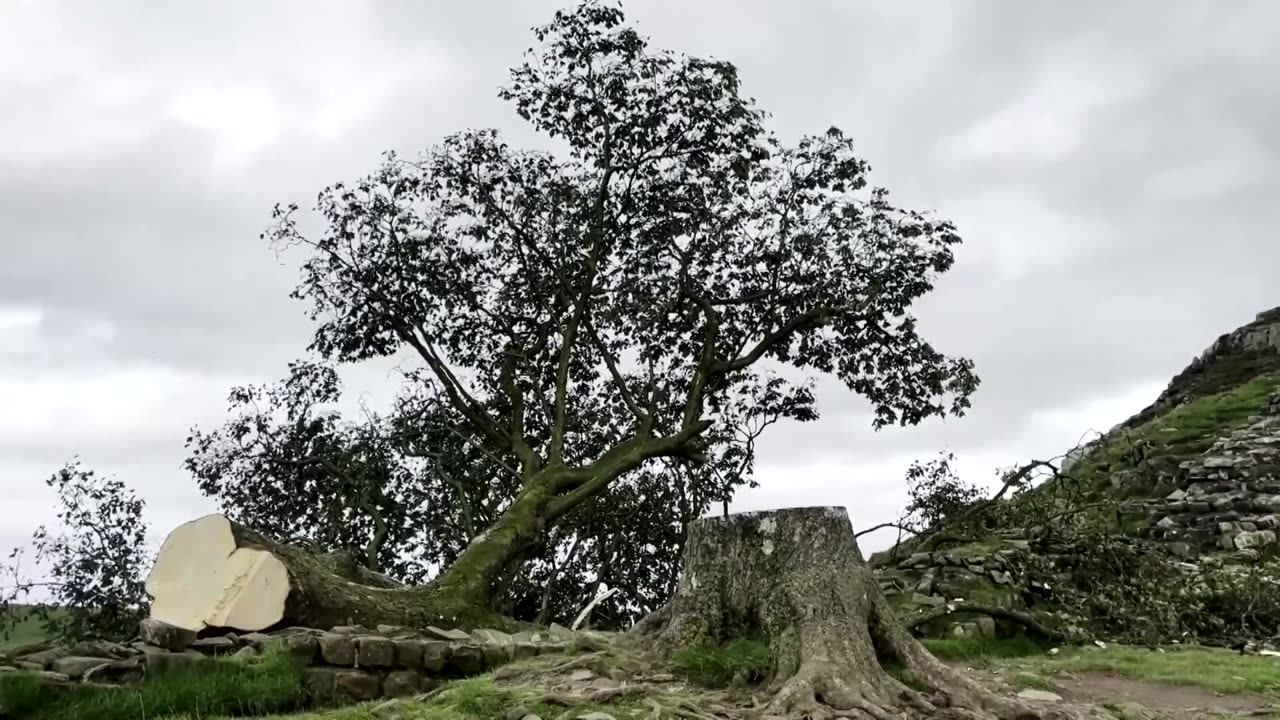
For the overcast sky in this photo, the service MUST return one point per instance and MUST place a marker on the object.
(1113, 167)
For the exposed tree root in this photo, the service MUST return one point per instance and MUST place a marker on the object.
(836, 648)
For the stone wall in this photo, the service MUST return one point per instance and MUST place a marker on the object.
(343, 663)
(988, 573)
(1228, 498)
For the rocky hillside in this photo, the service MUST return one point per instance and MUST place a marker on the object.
(1195, 477)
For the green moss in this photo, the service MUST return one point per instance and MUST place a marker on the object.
(741, 660)
(271, 683)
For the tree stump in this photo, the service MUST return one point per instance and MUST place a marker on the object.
(796, 576)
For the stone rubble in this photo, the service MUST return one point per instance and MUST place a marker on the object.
(343, 663)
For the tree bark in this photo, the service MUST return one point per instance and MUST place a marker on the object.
(797, 577)
(213, 572)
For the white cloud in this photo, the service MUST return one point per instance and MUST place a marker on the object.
(1235, 162)
(1097, 415)
(1049, 118)
(244, 119)
(121, 405)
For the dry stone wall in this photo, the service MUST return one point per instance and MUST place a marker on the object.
(343, 663)
(1228, 498)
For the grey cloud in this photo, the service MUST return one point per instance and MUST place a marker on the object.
(1087, 271)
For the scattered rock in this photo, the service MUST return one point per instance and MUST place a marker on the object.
(257, 640)
(44, 658)
(492, 637)
(214, 645)
(76, 667)
(164, 635)
(454, 635)
(1039, 695)
(1132, 711)
(55, 679)
(118, 672)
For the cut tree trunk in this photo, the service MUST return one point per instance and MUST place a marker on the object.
(797, 578)
(214, 573)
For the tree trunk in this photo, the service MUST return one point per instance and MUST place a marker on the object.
(213, 572)
(797, 577)
(473, 575)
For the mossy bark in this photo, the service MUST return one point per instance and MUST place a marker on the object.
(472, 576)
(325, 592)
(797, 577)
(329, 590)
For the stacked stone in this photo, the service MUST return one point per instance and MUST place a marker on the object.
(1230, 499)
(352, 663)
(929, 579)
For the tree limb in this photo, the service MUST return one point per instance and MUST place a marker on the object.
(882, 526)
(1025, 619)
(581, 308)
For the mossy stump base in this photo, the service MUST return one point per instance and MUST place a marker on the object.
(797, 577)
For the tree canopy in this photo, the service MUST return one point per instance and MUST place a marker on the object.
(599, 319)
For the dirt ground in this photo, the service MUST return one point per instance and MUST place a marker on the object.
(1157, 701)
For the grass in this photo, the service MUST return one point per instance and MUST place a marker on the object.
(743, 659)
(28, 628)
(1221, 671)
(271, 683)
(1182, 433)
(970, 648)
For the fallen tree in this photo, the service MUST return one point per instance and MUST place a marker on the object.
(635, 286)
(797, 577)
(212, 572)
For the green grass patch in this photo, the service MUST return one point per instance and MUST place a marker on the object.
(28, 627)
(1218, 670)
(1222, 671)
(1029, 680)
(740, 660)
(271, 683)
(971, 648)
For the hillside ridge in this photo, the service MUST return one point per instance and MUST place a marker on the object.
(1187, 487)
